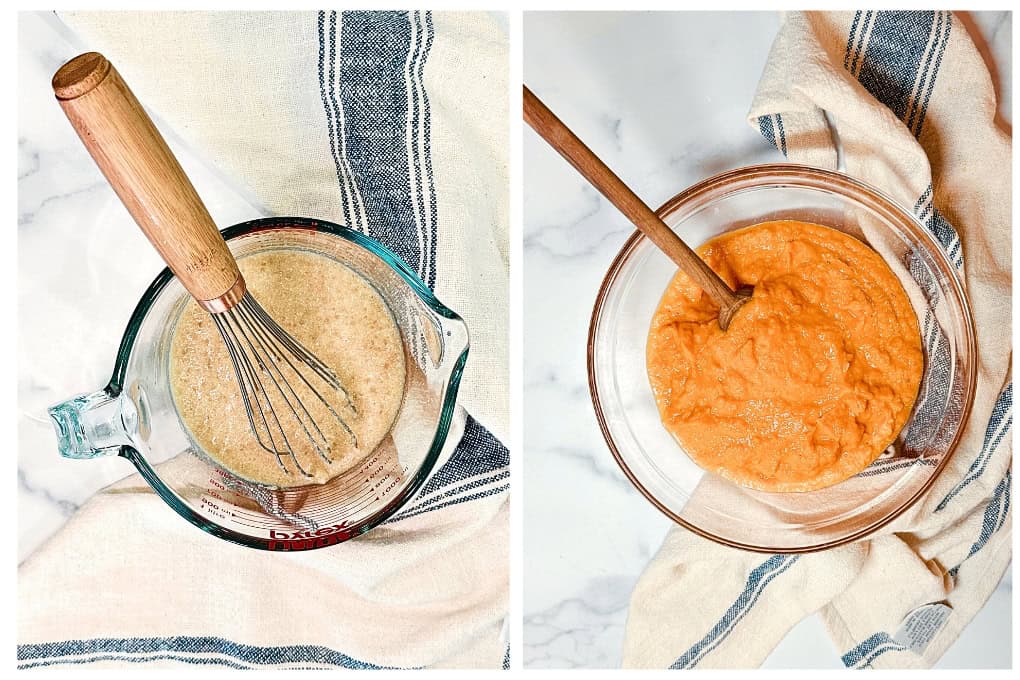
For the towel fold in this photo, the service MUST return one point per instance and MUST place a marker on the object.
(913, 107)
(392, 123)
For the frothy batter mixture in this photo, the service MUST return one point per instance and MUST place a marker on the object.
(816, 374)
(338, 316)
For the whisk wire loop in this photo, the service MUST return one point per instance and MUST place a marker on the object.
(266, 326)
(302, 354)
(252, 391)
(262, 355)
(259, 346)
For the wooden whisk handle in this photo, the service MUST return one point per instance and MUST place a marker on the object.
(140, 167)
(559, 137)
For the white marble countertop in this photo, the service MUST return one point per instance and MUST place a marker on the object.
(663, 99)
(82, 266)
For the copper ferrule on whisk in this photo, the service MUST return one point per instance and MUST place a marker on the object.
(226, 301)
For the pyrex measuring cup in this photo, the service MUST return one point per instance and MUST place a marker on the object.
(134, 415)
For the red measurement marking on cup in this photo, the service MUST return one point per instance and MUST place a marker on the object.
(213, 509)
(306, 540)
(367, 500)
(227, 512)
(351, 502)
(393, 481)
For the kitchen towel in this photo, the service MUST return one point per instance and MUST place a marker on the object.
(914, 109)
(392, 123)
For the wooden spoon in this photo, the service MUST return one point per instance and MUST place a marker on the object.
(559, 137)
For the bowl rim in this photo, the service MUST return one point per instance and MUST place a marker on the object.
(284, 223)
(792, 171)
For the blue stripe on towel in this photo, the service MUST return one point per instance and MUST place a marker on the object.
(939, 226)
(901, 59)
(932, 402)
(464, 499)
(869, 17)
(200, 661)
(869, 650)
(927, 76)
(377, 115)
(1002, 414)
(893, 55)
(916, 129)
(955, 255)
(427, 126)
(757, 581)
(76, 651)
(850, 40)
(477, 453)
(923, 200)
(425, 197)
(327, 85)
(923, 214)
(767, 130)
(925, 278)
(995, 516)
(893, 465)
(373, 97)
(944, 232)
(782, 133)
(474, 484)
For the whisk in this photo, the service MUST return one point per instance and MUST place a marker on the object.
(275, 373)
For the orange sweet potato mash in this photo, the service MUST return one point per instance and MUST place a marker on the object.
(816, 374)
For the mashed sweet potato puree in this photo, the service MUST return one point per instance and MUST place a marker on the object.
(816, 374)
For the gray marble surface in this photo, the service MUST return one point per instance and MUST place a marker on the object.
(663, 99)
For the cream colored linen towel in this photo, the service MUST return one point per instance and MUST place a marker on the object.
(914, 107)
(393, 123)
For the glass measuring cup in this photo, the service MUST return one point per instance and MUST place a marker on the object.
(134, 415)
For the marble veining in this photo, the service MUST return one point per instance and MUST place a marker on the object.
(552, 640)
(65, 506)
(663, 99)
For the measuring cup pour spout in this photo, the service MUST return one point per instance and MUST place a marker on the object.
(94, 425)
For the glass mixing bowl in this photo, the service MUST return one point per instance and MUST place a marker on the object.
(134, 416)
(782, 522)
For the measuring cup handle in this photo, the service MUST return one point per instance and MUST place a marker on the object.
(94, 425)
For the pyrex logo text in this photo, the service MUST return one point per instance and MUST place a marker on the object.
(307, 539)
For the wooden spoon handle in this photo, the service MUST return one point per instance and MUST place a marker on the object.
(140, 167)
(559, 137)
